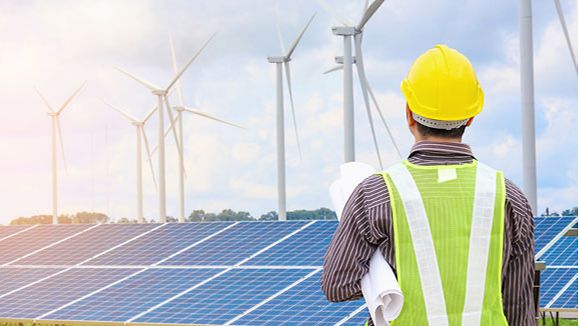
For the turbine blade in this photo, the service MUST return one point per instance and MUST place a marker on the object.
(300, 35)
(61, 144)
(364, 9)
(148, 116)
(280, 38)
(384, 121)
(368, 14)
(362, 79)
(205, 115)
(174, 61)
(180, 73)
(172, 126)
(566, 32)
(331, 11)
(289, 87)
(147, 148)
(44, 100)
(143, 82)
(123, 113)
(70, 98)
(338, 67)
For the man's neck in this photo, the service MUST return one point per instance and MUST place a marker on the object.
(438, 139)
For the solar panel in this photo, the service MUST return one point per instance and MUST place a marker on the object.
(7, 231)
(552, 281)
(14, 278)
(94, 241)
(567, 297)
(127, 299)
(546, 228)
(56, 291)
(224, 297)
(304, 304)
(159, 244)
(235, 244)
(562, 253)
(306, 248)
(35, 239)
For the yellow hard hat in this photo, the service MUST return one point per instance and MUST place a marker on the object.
(442, 85)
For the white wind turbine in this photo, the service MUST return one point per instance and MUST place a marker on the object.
(55, 115)
(347, 31)
(284, 59)
(141, 136)
(163, 103)
(178, 120)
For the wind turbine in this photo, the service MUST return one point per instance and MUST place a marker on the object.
(349, 31)
(179, 122)
(141, 136)
(163, 103)
(565, 32)
(279, 61)
(55, 115)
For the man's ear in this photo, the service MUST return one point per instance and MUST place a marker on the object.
(409, 118)
(469, 122)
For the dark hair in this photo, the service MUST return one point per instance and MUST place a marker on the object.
(442, 133)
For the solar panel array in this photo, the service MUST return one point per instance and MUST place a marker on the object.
(244, 273)
(559, 252)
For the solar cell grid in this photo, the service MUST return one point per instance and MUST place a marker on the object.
(135, 295)
(235, 244)
(546, 228)
(36, 238)
(568, 298)
(6, 231)
(56, 291)
(159, 244)
(224, 297)
(306, 248)
(94, 241)
(304, 304)
(552, 281)
(562, 253)
(14, 278)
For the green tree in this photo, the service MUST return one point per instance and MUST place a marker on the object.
(569, 212)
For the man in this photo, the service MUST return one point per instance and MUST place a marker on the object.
(458, 234)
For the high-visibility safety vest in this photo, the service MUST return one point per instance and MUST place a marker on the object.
(448, 235)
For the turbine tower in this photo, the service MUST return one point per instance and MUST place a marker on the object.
(345, 62)
(163, 103)
(279, 61)
(55, 115)
(140, 137)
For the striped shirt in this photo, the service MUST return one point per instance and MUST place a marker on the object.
(366, 225)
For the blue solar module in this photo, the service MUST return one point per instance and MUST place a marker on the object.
(127, 299)
(34, 239)
(224, 297)
(359, 319)
(6, 231)
(56, 291)
(306, 248)
(562, 253)
(159, 244)
(94, 241)
(235, 244)
(552, 281)
(14, 278)
(567, 299)
(546, 228)
(304, 304)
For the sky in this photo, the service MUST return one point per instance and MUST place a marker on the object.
(57, 45)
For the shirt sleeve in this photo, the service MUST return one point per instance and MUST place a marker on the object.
(347, 258)
(518, 274)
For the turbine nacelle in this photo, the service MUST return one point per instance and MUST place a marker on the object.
(345, 30)
(279, 59)
(340, 60)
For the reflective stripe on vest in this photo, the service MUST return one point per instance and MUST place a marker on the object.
(470, 245)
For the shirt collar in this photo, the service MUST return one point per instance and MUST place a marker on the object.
(444, 148)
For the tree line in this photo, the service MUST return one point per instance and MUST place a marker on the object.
(195, 216)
